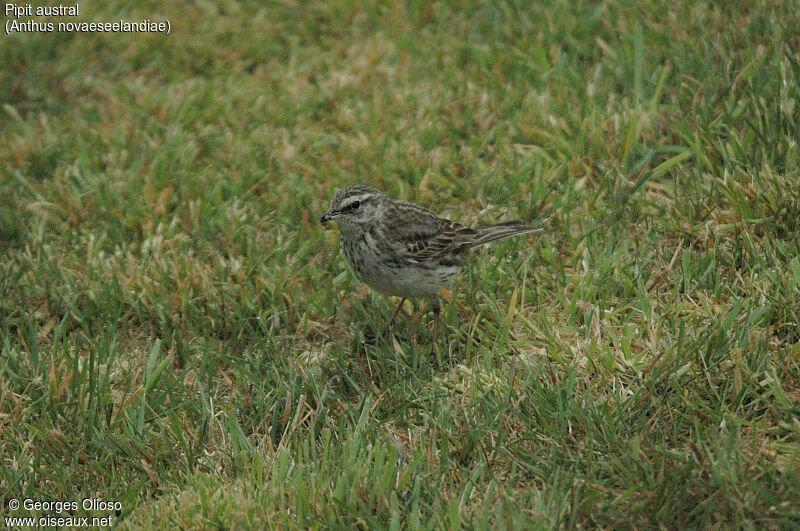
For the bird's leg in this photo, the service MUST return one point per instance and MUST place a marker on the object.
(437, 307)
(391, 320)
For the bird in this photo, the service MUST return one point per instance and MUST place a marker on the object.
(401, 249)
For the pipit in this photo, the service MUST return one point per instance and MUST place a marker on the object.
(401, 249)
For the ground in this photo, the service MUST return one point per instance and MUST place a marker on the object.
(180, 335)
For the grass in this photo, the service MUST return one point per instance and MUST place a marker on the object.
(179, 334)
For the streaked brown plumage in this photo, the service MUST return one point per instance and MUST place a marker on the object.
(401, 249)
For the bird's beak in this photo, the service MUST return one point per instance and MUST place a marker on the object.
(326, 217)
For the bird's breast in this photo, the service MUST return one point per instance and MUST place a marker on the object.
(392, 271)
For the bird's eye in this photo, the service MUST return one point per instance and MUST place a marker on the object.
(355, 204)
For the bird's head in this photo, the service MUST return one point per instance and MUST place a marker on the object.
(354, 207)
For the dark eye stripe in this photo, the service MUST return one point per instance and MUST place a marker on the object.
(355, 205)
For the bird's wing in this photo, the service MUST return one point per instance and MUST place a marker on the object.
(425, 236)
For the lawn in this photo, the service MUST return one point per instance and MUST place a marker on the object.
(181, 336)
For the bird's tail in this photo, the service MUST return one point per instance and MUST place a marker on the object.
(498, 231)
